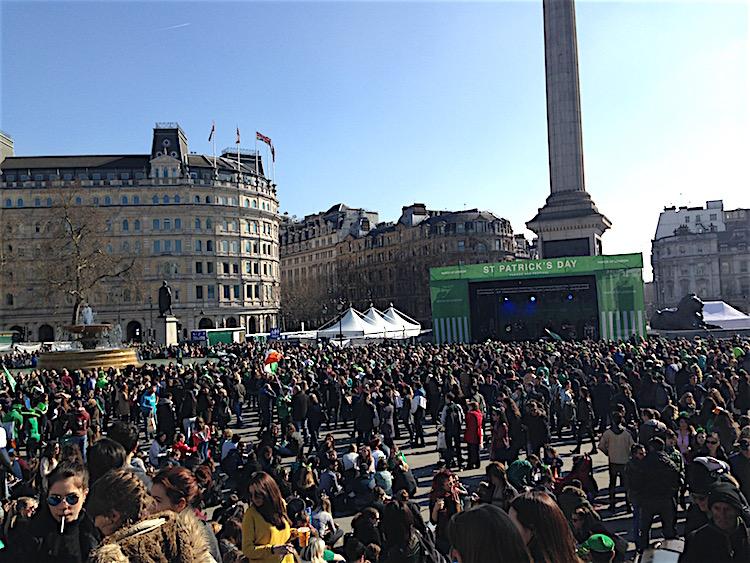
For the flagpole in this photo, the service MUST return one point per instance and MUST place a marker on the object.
(273, 166)
(239, 170)
(257, 168)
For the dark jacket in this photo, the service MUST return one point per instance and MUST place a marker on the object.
(404, 481)
(165, 417)
(709, 543)
(41, 541)
(658, 478)
(300, 406)
(740, 466)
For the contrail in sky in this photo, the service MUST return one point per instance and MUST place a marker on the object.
(173, 27)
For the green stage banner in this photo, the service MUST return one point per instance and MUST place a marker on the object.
(576, 265)
(619, 287)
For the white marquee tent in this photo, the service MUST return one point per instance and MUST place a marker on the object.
(723, 315)
(350, 324)
(408, 326)
(390, 324)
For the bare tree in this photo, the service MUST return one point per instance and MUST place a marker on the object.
(80, 252)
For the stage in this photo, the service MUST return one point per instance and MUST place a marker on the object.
(570, 297)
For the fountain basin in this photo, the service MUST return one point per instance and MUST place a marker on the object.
(92, 356)
(89, 359)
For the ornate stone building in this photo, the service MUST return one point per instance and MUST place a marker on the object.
(704, 251)
(390, 262)
(310, 284)
(210, 226)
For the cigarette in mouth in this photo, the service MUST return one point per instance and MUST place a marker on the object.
(62, 524)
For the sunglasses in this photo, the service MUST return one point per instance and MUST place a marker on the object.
(71, 500)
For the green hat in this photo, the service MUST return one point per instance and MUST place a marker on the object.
(599, 543)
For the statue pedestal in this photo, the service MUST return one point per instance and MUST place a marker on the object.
(166, 331)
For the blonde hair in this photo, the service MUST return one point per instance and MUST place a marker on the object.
(315, 551)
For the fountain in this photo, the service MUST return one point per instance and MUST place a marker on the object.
(92, 354)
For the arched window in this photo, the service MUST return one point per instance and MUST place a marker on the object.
(8, 203)
(165, 199)
(208, 199)
(137, 225)
(197, 199)
(136, 200)
(79, 201)
(155, 200)
(125, 225)
(95, 201)
(124, 200)
(19, 203)
(198, 223)
(209, 224)
(38, 202)
(125, 246)
(107, 200)
(9, 299)
(177, 224)
(177, 198)
(246, 202)
(49, 202)
(255, 203)
(165, 173)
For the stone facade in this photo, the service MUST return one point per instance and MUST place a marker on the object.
(698, 257)
(209, 226)
(389, 264)
(309, 275)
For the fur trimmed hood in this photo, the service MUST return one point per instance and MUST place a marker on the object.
(164, 537)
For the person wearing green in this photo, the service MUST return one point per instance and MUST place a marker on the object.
(14, 416)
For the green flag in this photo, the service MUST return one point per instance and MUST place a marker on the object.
(553, 335)
(11, 379)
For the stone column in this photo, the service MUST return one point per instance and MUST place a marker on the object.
(563, 97)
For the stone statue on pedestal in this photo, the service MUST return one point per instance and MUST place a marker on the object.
(165, 300)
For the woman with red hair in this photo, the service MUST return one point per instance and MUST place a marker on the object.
(177, 489)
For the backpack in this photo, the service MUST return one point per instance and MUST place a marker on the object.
(430, 554)
(453, 420)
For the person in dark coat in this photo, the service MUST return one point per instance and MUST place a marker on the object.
(315, 417)
(46, 539)
(657, 481)
(166, 421)
(537, 428)
(601, 399)
(386, 420)
(403, 480)
(725, 538)
(300, 406)
(364, 421)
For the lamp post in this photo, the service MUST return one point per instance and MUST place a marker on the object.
(340, 308)
(151, 314)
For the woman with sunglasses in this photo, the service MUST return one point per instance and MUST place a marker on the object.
(61, 531)
(712, 448)
(266, 528)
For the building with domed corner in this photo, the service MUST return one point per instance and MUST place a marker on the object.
(208, 225)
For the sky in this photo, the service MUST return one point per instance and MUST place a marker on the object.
(383, 104)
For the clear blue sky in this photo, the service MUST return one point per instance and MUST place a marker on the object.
(379, 105)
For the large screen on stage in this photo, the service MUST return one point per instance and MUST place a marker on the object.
(524, 309)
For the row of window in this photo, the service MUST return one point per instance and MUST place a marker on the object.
(228, 292)
(155, 200)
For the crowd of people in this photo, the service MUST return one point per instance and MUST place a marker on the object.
(259, 457)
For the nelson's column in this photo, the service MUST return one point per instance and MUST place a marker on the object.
(569, 224)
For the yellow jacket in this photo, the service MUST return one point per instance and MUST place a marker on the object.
(258, 537)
